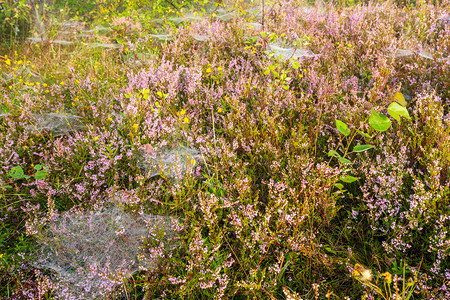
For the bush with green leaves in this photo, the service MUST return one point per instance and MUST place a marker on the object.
(15, 19)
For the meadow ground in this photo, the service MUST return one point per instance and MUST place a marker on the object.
(206, 151)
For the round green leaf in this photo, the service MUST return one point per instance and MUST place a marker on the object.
(342, 127)
(17, 172)
(41, 174)
(396, 110)
(379, 121)
(296, 65)
(361, 148)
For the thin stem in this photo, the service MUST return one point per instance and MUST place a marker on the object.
(262, 20)
(215, 141)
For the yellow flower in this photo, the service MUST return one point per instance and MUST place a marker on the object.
(410, 282)
(208, 70)
(220, 110)
(387, 277)
(182, 112)
(135, 126)
(186, 120)
(8, 62)
(95, 138)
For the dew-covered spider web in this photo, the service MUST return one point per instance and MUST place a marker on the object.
(170, 162)
(91, 253)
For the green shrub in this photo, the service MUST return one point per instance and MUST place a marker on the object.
(14, 19)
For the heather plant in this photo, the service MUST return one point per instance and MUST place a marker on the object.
(295, 146)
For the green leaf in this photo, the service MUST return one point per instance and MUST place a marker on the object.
(349, 179)
(362, 148)
(38, 167)
(364, 134)
(296, 65)
(17, 172)
(339, 185)
(396, 110)
(333, 153)
(286, 265)
(344, 160)
(379, 121)
(41, 174)
(330, 250)
(400, 98)
(273, 37)
(342, 127)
